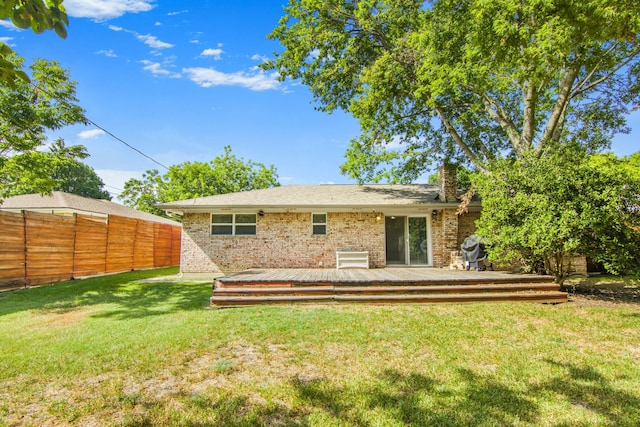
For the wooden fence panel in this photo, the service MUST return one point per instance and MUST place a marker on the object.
(50, 242)
(120, 244)
(37, 248)
(143, 248)
(162, 237)
(12, 251)
(176, 240)
(90, 255)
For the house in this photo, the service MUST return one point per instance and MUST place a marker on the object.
(313, 226)
(61, 203)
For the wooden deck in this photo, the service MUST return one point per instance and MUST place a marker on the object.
(380, 286)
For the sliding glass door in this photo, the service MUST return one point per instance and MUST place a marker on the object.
(407, 240)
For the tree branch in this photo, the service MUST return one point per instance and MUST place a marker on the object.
(581, 88)
(529, 119)
(559, 108)
(498, 114)
(458, 140)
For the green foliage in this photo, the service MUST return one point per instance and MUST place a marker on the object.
(464, 81)
(224, 174)
(37, 15)
(562, 204)
(56, 170)
(27, 112)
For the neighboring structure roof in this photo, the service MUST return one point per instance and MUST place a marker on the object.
(60, 202)
(321, 197)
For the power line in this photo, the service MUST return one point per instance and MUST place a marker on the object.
(103, 129)
(125, 143)
(115, 188)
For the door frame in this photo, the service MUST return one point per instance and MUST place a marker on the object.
(407, 246)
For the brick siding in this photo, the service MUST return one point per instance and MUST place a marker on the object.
(283, 240)
(466, 226)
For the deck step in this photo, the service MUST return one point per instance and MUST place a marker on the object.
(380, 286)
(382, 290)
(525, 296)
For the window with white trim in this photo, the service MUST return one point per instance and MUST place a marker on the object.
(233, 224)
(319, 224)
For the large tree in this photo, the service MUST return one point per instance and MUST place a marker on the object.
(28, 111)
(37, 15)
(467, 81)
(224, 174)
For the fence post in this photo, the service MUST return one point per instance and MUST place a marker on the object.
(24, 232)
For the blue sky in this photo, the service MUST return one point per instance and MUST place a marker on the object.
(178, 80)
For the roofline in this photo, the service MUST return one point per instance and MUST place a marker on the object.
(414, 207)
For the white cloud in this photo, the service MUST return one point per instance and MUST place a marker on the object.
(260, 58)
(158, 24)
(108, 53)
(178, 12)
(102, 10)
(215, 53)
(6, 40)
(148, 39)
(256, 80)
(157, 69)
(91, 134)
(9, 26)
(153, 41)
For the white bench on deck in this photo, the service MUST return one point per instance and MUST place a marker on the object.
(352, 259)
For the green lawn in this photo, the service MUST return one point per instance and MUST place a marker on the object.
(112, 351)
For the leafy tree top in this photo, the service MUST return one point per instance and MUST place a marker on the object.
(39, 16)
(59, 169)
(464, 81)
(224, 174)
(28, 111)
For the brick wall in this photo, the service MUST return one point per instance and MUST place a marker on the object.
(283, 240)
(448, 231)
(466, 226)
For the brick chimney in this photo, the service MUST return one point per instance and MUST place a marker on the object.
(448, 183)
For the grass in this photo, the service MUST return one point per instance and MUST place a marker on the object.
(117, 351)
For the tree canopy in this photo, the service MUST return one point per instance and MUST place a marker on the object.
(29, 110)
(562, 204)
(37, 15)
(469, 81)
(56, 170)
(224, 174)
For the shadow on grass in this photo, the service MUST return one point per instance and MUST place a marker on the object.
(586, 388)
(394, 398)
(416, 399)
(121, 295)
(198, 410)
(476, 399)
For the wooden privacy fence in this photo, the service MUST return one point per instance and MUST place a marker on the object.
(37, 248)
